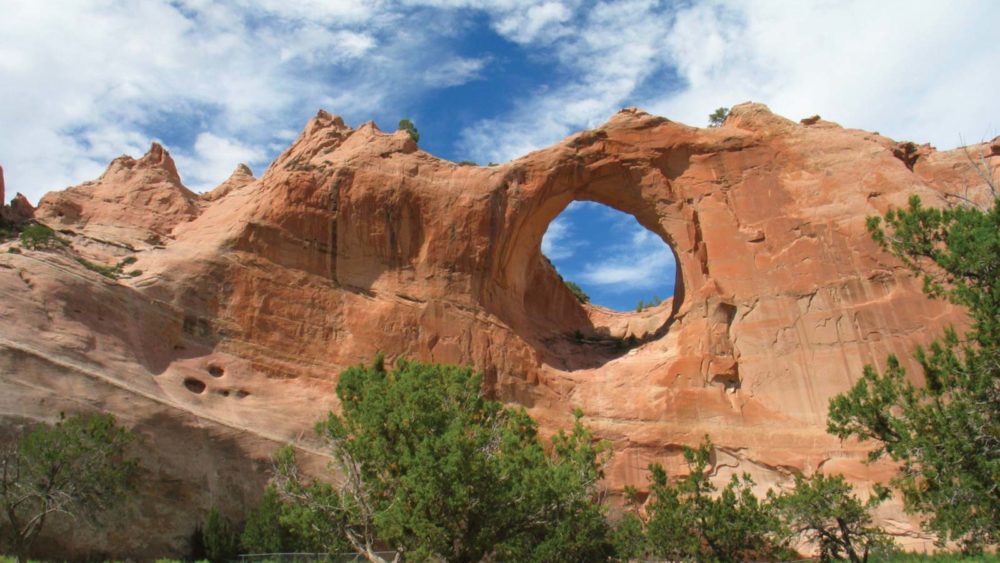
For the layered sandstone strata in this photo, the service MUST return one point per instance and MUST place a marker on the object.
(253, 297)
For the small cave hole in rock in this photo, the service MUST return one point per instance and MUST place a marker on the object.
(216, 371)
(613, 260)
(194, 385)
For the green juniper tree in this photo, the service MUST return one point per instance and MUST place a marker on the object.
(718, 117)
(434, 470)
(409, 127)
(263, 531)
(38, 236)
(629, 535)
(313, 513)
(946, 432)
(77, 468)
(689, 521)
(220, 539)
(823, 510)
(577, 291)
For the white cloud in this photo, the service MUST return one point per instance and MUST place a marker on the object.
(87, 80)
(643, 261)
(558, 242)
(614, 50)
(911, 71)
(921, 71)
(452, 72)
(213, 160)
(544, 20)
(526, 22)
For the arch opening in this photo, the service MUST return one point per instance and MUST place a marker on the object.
(530, 293)
(582, 335)
(609, 259)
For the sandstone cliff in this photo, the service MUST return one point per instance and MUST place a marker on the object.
(253, 297)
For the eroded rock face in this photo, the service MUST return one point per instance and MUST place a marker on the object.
(18, 210)
(135, 202)
(240, 177)
(252, 299)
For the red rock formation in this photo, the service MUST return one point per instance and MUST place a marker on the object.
(355, 241)
(240, 177)
(19, 210)
(135, 202)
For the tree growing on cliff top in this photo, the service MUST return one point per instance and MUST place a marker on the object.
(718, 117)
(577, 291)
(76, 468)
(945, 433)
(409, 127)
(434, 470)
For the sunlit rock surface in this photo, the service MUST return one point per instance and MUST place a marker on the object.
(250, 299)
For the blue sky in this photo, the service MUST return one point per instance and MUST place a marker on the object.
(228, 81)
(613, 258)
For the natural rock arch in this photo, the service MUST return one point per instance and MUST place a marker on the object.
(583, 168)
(355, 241)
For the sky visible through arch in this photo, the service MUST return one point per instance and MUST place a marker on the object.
(229, 81)
(613, 258)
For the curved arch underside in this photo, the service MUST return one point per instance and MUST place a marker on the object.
(255, 296)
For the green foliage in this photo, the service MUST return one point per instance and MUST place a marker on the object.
(106, 271)
(37, 236)
(688, 520)
(628, 538)
(467, 163)
(277, 526)
(579, 293)
(718, 117)
(957, 252)
(110, 271)
(263, 532)
(643, 305)
(434, 470)
(312, 511)
(76, 468)
(221, 541)
(409, 127)
(825, 511)
(7, 230)
(946, 433)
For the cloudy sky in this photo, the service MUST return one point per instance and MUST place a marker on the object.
(614, 259)
(229, 81)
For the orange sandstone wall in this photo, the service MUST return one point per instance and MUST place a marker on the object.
(253, 297)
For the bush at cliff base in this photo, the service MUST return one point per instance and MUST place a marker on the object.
(946, 432)
(434, 470)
